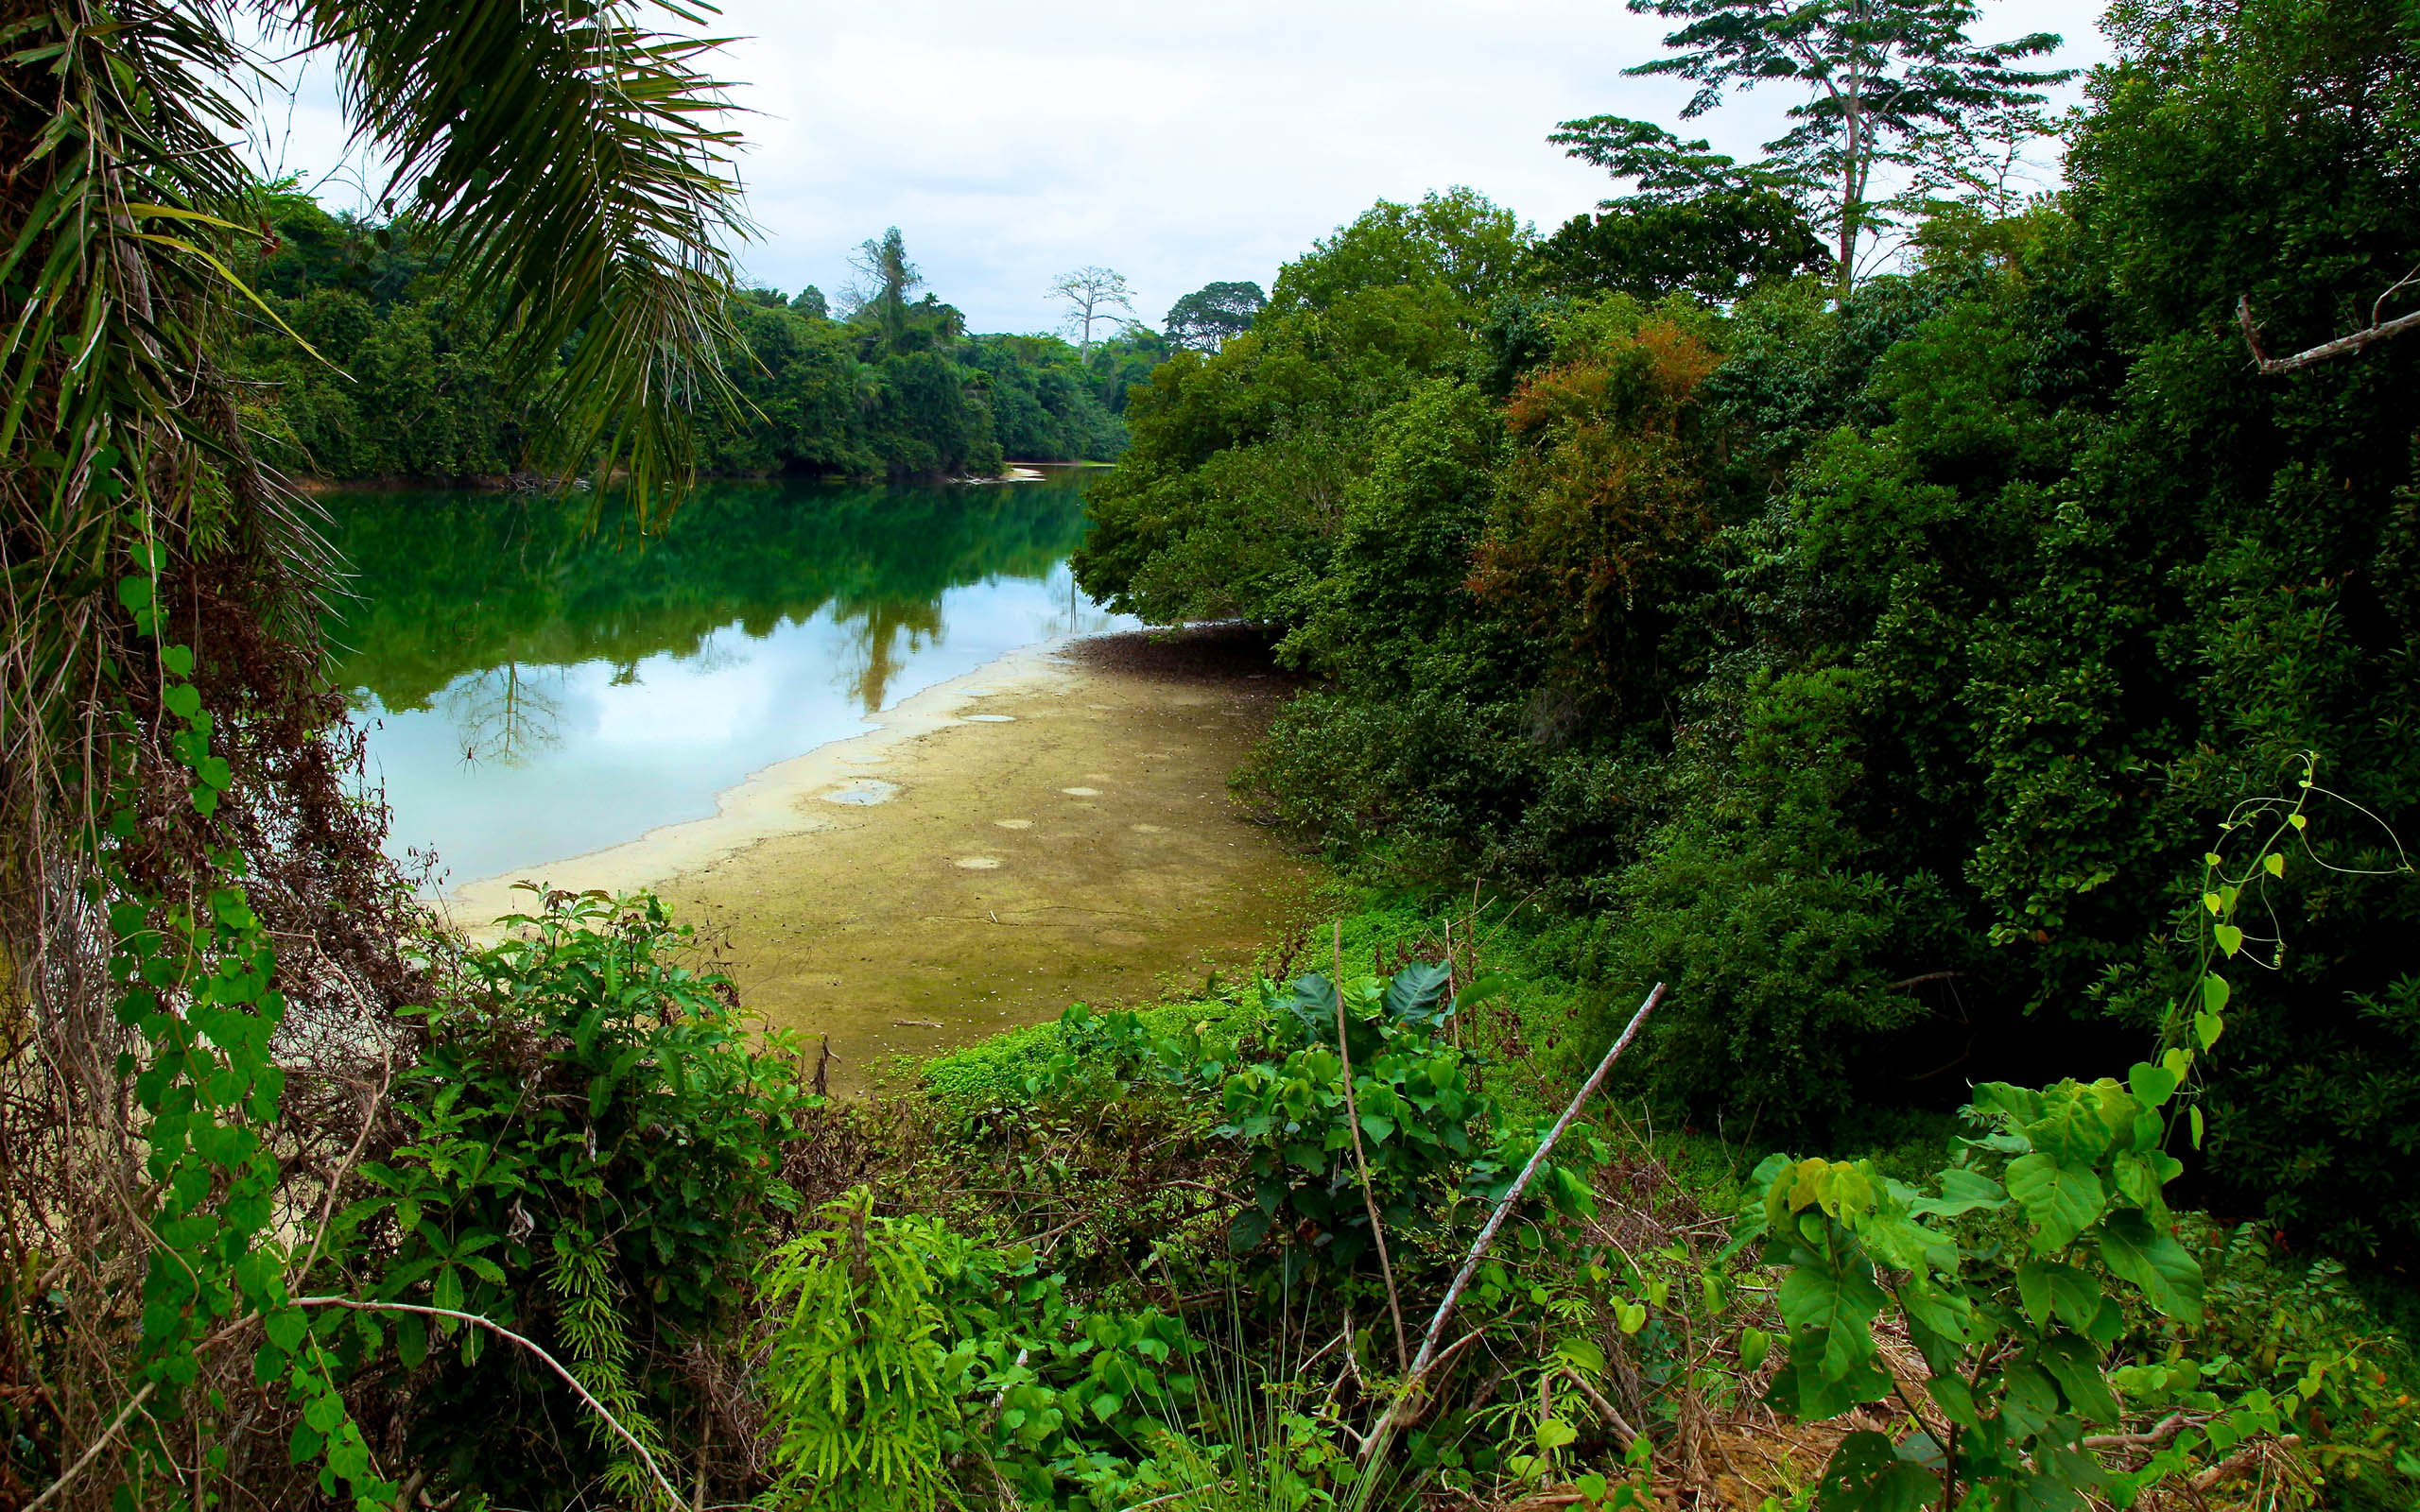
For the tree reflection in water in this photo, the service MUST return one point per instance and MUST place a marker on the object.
(501, 716)
(539, 685)
(452, 585)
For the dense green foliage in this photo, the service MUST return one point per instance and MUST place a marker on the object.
(1868, 668)
(1211, 314)
(592, 1158)
(405, 382)
(1867, 661)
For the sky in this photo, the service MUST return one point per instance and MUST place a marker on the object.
(1177, 145)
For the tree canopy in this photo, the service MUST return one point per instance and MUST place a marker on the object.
(1206, 318)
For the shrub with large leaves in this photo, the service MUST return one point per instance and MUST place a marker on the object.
(2030, 1274)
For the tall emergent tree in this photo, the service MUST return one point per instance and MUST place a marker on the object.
(1878, 72)
(1089, 294)
(1694, 219)
(1206, 319)
(175, 809)
(885, 279)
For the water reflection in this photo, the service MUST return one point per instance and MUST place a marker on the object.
(502, 715)
(535, 688)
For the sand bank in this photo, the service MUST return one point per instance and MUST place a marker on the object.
(1051, 828)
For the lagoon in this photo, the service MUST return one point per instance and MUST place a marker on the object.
(534, 681)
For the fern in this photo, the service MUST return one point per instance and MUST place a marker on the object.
(864, 1390)
(596, 1349)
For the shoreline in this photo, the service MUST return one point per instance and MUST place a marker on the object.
(1052, 827)
(765, 805)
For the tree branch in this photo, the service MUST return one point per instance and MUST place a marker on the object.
(2342, 346)
(95, 1448)
(1426, 1358)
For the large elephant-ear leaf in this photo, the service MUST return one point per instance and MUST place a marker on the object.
(1412, 993)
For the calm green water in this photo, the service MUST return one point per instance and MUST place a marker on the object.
(533, 688)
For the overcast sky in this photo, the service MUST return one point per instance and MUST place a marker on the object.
(1179, 145)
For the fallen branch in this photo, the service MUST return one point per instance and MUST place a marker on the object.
(93, 1449)
(2152, 1437)
(1612, 1415)
(2242, 1459)
(671, 1494)
(1427, 1356)
(2343, 346)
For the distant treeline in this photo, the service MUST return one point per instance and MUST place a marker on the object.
(884, 384)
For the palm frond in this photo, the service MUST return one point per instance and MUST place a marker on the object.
(575, 158)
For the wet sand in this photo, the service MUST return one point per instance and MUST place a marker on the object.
(1052, 827)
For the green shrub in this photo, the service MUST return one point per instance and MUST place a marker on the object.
(592, 1158)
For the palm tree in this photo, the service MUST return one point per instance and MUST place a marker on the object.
(166, 733)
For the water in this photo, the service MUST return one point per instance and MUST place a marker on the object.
(534, 688)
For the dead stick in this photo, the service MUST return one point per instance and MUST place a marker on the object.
(1496, 1220)
(1353, 1117)
(671, 1493)
(92, 1450)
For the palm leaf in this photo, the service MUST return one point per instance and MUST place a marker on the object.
(575, 159)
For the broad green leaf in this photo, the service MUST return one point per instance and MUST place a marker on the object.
(2061, 1200)
(2152, 1085)
(2230, 939)
(324, 1412)
(285, 1328)
(2034, 1291)
(1802, 1390)
(2028, 1399)
(2137, 1250)
(2075, 1366)
(1866, 1474)
(1957, 1402)
(1842, 1303)
(2273, 863)
(1962, 1191)
(2207, 1027)
(1943, 1312)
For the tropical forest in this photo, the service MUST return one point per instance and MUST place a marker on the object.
(1749, 850)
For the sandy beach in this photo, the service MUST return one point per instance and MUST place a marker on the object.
(1051, 828)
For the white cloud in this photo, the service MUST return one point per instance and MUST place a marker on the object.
(1178, 144)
